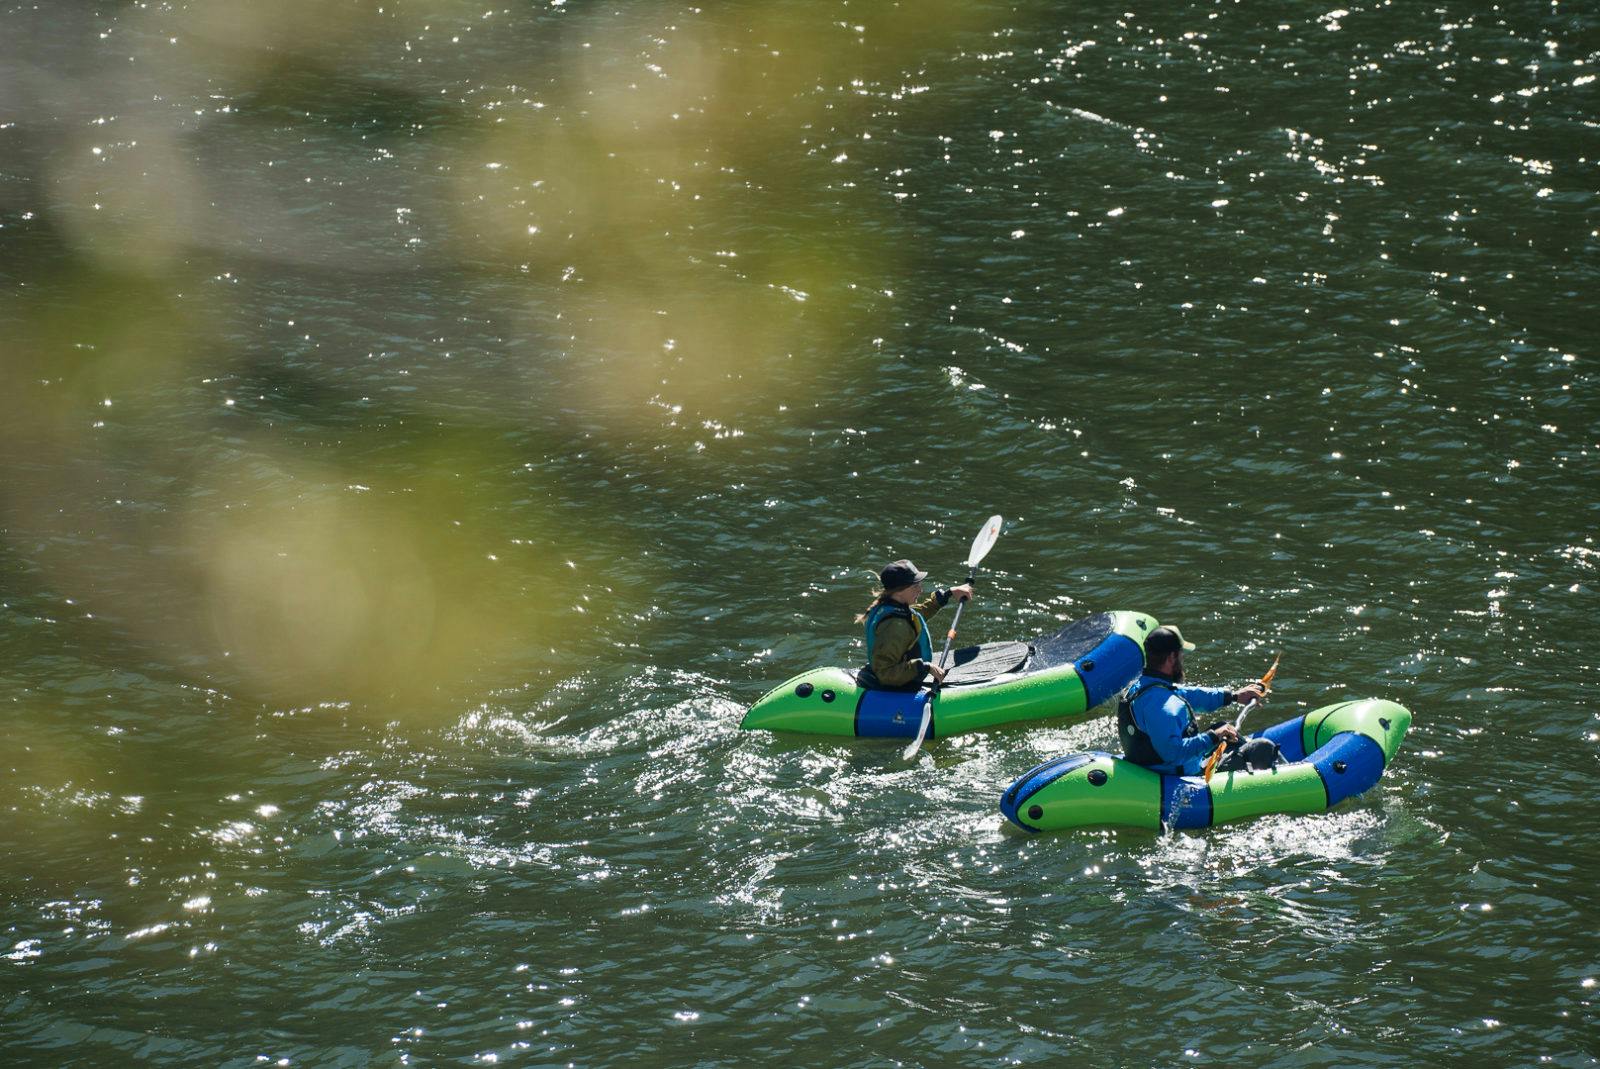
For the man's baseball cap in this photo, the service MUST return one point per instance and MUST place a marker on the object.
(1165, 640)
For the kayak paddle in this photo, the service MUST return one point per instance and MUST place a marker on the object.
(981, 546)
(1266, 685)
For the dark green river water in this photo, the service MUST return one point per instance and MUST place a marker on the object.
(426, 427)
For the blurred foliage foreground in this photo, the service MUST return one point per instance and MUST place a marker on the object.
(308, 307)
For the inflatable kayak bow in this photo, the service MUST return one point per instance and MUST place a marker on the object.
(1064, 674)
(1327, 755)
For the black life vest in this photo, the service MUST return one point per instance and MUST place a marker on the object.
(1136, 744)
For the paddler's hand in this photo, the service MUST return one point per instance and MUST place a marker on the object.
(1253, 692)
(1226, 734)
(937, 673)
(961, 593)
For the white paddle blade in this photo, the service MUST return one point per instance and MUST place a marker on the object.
(985, 541)
(922, 733)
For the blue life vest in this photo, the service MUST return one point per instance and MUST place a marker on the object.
(889, 608)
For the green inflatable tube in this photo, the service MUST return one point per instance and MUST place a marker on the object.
(1064, 674)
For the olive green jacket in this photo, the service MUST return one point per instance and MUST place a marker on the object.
(897, 637)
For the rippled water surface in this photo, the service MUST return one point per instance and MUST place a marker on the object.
(424, 429)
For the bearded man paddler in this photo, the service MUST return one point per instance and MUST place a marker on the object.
(1157, 720)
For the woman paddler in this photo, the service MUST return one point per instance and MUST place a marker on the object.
(899, 647)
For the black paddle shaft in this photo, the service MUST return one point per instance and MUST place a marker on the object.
(972, 577)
